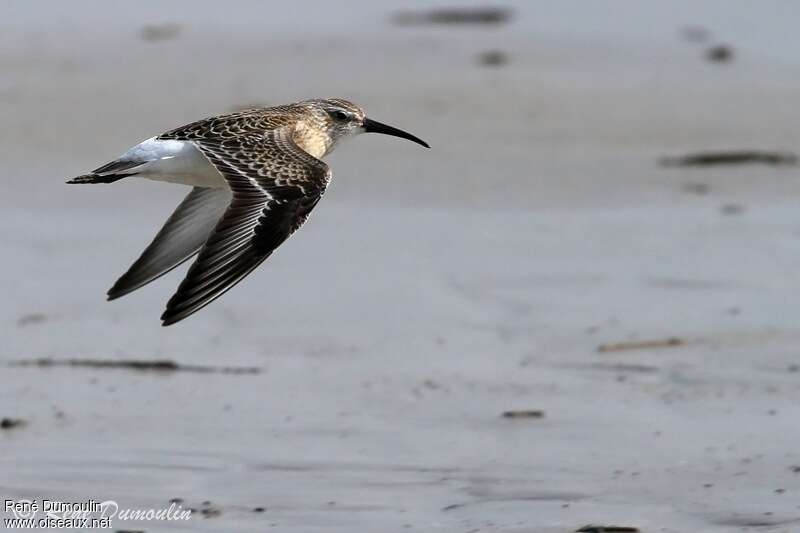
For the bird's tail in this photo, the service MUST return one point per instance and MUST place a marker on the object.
(94, 178)
(109, 173)
(97, 178)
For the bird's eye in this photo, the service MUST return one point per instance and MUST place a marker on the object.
(340, 115)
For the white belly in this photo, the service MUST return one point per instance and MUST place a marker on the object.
(174, 162)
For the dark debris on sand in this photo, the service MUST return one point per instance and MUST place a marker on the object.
(719, 54)
(207, 510)
(523, 413)
(607, 529)
(455, 16)
(493, 58)
(732, 157)
(159, 32)
(452, 507)
(11, 423)
(158, 365)
(31, 319)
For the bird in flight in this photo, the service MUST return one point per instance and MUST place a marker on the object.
(255, 177)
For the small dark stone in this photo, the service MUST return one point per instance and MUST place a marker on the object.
(259, 509)
(209, 512)
(11, 423)
(493, 58)
(719, 53)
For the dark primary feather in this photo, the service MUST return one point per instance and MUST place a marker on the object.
(275, 185)
(180, 238)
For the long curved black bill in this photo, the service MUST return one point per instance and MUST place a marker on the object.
(373, 126)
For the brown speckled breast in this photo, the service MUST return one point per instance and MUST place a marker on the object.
(311, 139)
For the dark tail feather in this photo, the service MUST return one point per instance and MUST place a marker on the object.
(96, 178)
(110, 172)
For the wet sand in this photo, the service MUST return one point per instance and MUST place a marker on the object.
(538, 258)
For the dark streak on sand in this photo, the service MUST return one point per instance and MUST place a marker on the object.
(31, 319)
(607, 529)
(732, 157)
(11, 423)
(623, 367)
(745, 521)
(527, 413)
(455, 15)
(641, 345)
(516, 497)
(159, 365)
(452, 507)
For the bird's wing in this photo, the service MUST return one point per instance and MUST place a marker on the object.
(180, 238)
(275, 185)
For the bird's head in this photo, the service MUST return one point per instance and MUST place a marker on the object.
(339, 118)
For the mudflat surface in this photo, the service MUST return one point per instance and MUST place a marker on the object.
(539, 257)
